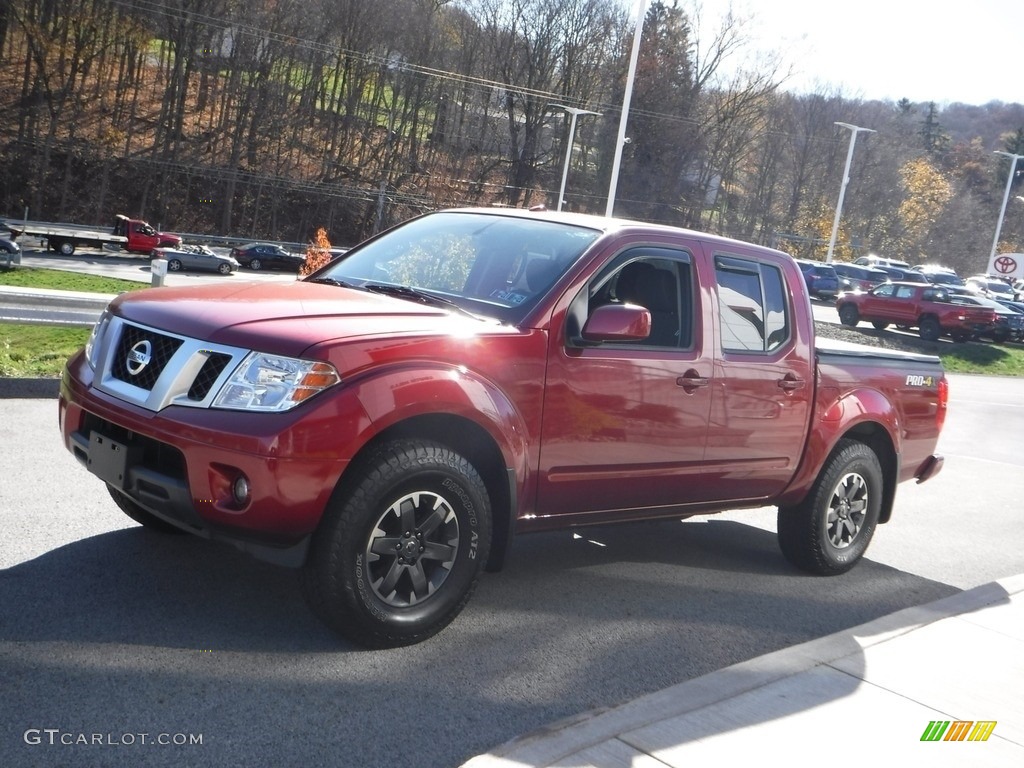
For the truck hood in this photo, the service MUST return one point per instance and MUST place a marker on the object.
(286, 318)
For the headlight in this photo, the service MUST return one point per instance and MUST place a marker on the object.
(95, 342)
(273, 383)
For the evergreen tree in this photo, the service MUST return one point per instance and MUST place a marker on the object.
(933, 138)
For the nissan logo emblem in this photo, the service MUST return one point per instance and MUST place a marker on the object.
(139, 356)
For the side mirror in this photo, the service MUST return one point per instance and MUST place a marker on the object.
(618, 322)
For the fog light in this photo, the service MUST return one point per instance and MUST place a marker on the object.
(240, 490)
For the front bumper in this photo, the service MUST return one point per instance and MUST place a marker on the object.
(180, 464)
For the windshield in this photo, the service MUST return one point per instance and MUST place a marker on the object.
(488, 264)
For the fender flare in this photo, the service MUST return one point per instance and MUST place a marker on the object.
(864, 414)
(421, 393)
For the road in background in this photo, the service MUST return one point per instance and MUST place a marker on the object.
(95, 261)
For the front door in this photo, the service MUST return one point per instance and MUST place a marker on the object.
(625, 423)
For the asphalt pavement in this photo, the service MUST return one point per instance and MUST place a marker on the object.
(938, 684)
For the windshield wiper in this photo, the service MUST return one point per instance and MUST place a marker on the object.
(415, 294)
(331, 281)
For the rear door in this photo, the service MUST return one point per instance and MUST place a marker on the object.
(762, 385)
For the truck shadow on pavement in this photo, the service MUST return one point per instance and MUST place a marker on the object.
(138, 587)
(135, 630)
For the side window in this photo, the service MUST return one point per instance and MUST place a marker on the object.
(885, 290)
(905, 292)
(752, 305)
(658, 279)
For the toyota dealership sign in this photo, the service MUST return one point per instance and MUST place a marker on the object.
(1009, 265)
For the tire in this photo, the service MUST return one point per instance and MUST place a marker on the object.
(849, 315)
(174, 265)
(255, 265)
(224, 269)
(63, 247)
(141, 516)
(384, 569)
(828, 532)
(879, 325)
(929, 329)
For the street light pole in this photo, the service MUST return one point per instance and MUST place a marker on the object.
(1006, 199)
(854, 130)
(627, 97)
(575, 112)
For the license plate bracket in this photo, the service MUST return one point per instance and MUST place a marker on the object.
(110, 460)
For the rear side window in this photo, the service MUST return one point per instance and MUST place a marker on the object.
(752, 305)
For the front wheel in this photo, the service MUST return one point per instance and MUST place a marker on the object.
(399, 553)
(829, 531)
(224, 269)
(849, 315)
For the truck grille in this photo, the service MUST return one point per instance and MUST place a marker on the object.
(154, 369)
(207, 375)
(156, 349)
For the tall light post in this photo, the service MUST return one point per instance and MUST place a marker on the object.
(620, 140)
(854, 130)
(1006, 197)
(575, 112)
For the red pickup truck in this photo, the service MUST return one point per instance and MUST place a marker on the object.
(915, 305)
(141, 237)
(389, 423)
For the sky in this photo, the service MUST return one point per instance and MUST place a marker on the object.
(923, 50)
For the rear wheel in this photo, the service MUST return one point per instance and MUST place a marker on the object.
(255, 265)
(929, 329)
(880, 325)
(398, 555)
(829, 531)
(849, 315)
(174, 265)
(139, 515)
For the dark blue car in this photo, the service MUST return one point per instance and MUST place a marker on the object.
(822, 280)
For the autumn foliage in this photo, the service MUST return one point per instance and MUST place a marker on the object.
(318, 253)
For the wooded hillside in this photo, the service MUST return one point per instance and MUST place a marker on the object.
(272, 118)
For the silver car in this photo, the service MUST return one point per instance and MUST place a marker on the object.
(197, 257)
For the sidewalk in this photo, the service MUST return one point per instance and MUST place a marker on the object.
(860, 697)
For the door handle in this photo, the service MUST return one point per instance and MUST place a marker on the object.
(790, 383)
(691, 381)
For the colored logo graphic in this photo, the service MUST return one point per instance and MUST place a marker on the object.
(958, 730)
(1005, 265)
